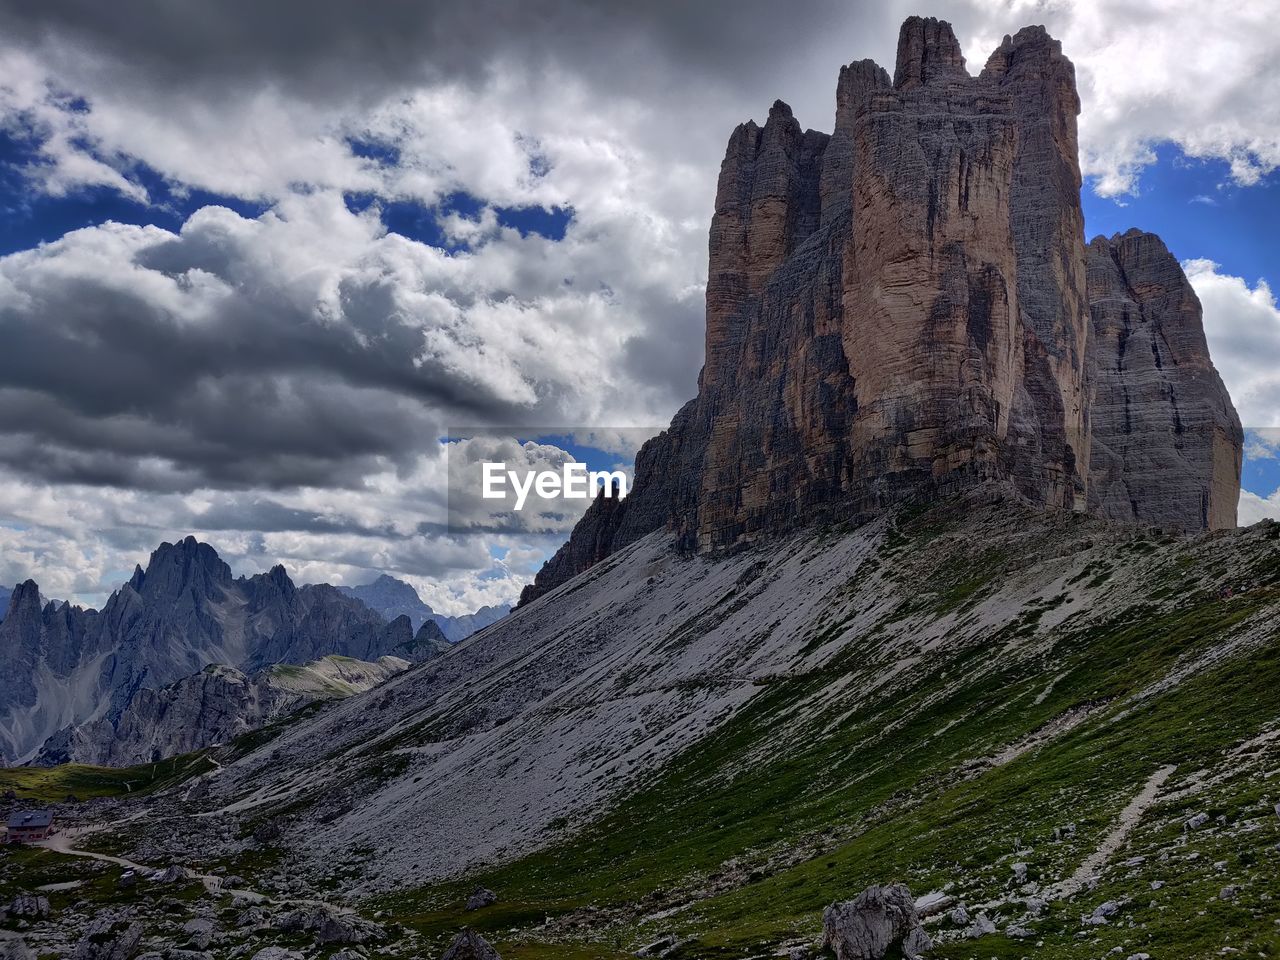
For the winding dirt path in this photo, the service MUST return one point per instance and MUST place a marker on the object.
(1115, 839)
(61, 843)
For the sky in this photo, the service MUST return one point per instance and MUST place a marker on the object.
(258, 260)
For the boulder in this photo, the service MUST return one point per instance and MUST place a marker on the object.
(1101, 914)
(981, 927)
(109, 938)
(329, 926)
(469, 945)
(481, 898)
(16, 949)
(932, 903)
(877, 921)
(199, 932)
(172, 874)
(28, 906)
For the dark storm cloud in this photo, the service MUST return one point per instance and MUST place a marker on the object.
(106, 383)
(328, 48)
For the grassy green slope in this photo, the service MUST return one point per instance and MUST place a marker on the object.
(53, 784)
(963, 767)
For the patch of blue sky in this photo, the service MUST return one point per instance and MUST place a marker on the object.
(1199, 213)
(31, 216)
(1261, 471)
(422, 222)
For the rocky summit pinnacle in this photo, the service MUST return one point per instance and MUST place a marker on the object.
(906, 308)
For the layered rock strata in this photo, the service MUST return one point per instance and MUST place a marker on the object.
(901, 309)
(1166, 439)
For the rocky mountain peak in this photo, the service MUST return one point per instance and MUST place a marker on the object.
(780, 111)
(391, 588)
(928, 52)
(25, 601)
(279, 579)
(185, 566)
(904, 309)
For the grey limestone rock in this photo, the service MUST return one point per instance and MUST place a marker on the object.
(469, 945)
(904, 309)
(109, 938)
(1166, 439)
(878, 920)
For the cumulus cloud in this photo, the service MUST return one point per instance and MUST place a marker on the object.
(1157, 72)
(1254, 508)
(1242, 323)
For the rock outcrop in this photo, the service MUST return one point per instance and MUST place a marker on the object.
(1166, 439)
(901, 309)
(213, 706)
(469, 945)
(880, 922)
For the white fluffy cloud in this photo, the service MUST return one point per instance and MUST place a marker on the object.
(1254, 508)
(1175, 71)
(1243, 327)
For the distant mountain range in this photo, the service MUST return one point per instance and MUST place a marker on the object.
(394, 598)
(63, 667)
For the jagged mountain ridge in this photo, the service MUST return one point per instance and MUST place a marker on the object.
(211, 707)
(907, 306)
(62, 665)
(392, 597)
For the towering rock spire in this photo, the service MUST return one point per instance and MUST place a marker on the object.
(767, 203)
(1166, 439)
(902, 309)
(928, 52)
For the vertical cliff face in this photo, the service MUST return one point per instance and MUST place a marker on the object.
(1048, 432)
(901, 309)
(1166, 439)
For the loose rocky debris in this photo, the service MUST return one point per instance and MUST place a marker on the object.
(26, 906)
(469, 945)
(326, 925)
(877, 921)
(482, 898)
(667, 946)
(109, 937)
